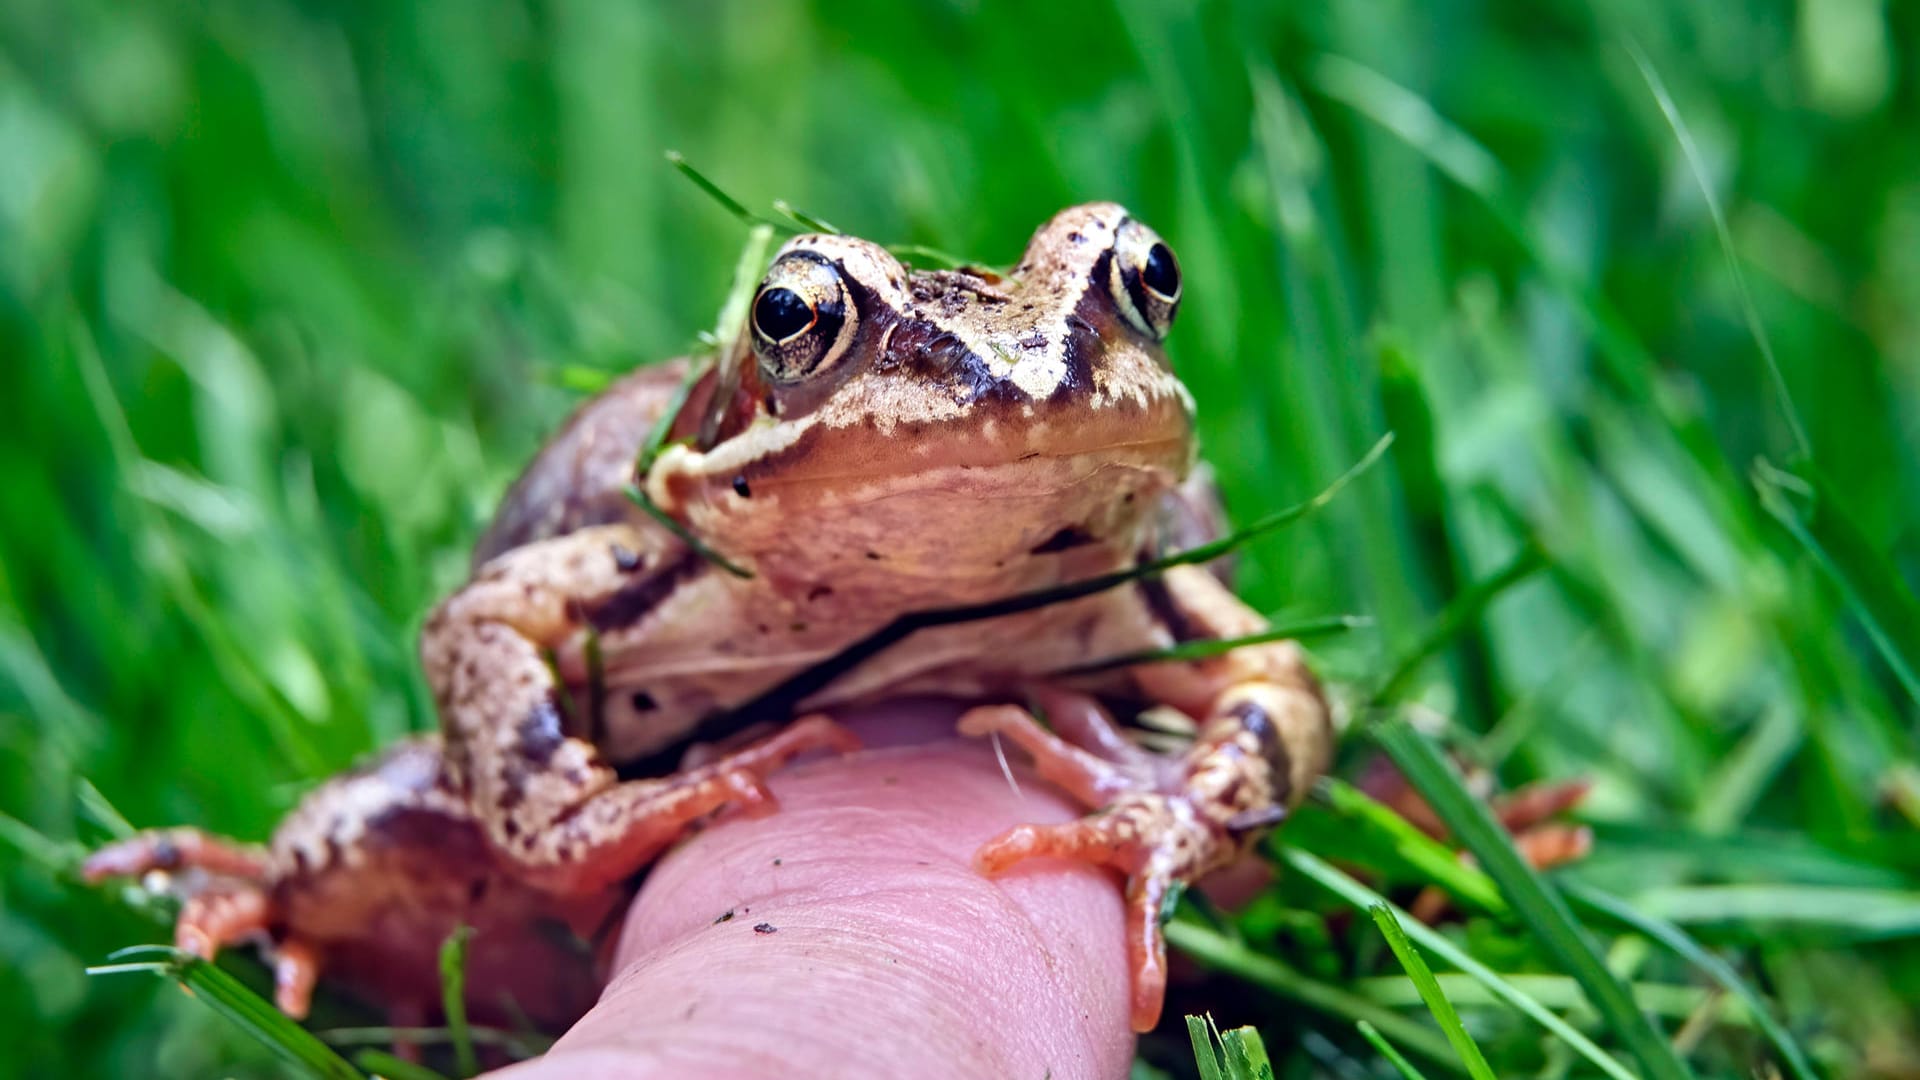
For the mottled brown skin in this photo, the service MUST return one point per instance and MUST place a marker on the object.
(877, 442)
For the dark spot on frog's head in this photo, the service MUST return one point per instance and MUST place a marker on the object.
(540, 734)
(1077, 237)
(741, 489)
(819, 592)
(643, 701)
(1066, 539)
(772, 405)
(874, 555)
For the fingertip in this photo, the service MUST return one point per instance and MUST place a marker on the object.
(854, 934)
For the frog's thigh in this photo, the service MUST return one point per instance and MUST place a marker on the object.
(1263, 737)
(548, 801)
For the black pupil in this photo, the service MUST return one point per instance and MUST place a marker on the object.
(780, 314)
(1161, 274)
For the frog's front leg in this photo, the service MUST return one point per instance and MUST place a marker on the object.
(1263, 736)
(548, 800)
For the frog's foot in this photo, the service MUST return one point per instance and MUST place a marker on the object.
(1525, 813)
(1163, 822)
(225, 900)
(1155, 842)
(605, 836)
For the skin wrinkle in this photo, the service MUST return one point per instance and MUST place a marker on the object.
(891, 956)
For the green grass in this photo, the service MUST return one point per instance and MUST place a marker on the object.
(288, 292)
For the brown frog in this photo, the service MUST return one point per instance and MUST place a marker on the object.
(877, 443)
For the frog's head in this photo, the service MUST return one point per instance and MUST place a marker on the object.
(966, 430)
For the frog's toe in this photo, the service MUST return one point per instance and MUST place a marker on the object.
(218, 916)
(296, 968)
(806, 735)
(1148, 837)
(1089, 777)
(743, 775)
(171, 850)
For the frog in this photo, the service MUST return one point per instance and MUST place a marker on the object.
(704, 539)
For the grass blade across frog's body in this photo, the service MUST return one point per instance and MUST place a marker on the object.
(897, 442)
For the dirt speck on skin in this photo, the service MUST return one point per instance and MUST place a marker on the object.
(725, 916)
(765, 928)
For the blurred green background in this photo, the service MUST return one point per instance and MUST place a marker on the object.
(288, 290)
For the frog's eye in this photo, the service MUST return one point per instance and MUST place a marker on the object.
(801, 317)
(1145, 279)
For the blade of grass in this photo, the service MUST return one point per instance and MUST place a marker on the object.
(385, 1065)
(453, 998)
(230, 998)
(713, 191)
(1205, 1059)
(1789, 412)
(1463, 609)
(1873, 590)
(920, 255)
(1363, 898)
(733, 314)
(1676, 939)
(1209, 647)
(1389, 1051)
(805, 220)
(1801, 912)
(1539, 907)
(1434, 860)
(1218, 951)
(1557, 992)
(522, 1044)
(1246, 1054)
(671, 524)
(1430, 992)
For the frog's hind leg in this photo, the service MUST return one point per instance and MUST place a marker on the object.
(226, 900)
(1262, 736)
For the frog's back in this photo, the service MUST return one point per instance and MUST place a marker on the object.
(580, 476)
